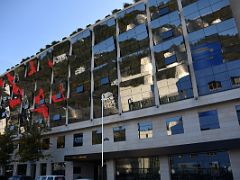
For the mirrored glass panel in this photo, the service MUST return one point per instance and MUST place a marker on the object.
(79, 101)
(105, 30)
(105, 78)
(132, 17)
(205, 13)
(173, 76)
(160, 8)
(210, 165)
(215, 57)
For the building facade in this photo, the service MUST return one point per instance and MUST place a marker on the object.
(170, 72)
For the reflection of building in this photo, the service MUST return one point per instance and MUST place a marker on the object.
(170, 70)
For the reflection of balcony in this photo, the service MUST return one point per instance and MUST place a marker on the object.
(140, 104)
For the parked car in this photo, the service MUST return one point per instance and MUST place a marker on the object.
(20, 178)
(50, 177)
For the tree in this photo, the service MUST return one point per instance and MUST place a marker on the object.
(30, 142)
(6, 148)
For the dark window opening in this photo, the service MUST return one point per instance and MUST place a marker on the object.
(104, 81)
(214, 85)
(235, 81)
(80, 89)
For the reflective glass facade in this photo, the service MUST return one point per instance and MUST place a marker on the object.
(201, 166)
(135, 58)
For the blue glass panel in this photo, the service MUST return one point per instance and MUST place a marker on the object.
(79, 89)
(56, 117)
(225, 25)
(167, 34)
(208, 120)
(170, 60)
(104, 81)
(58, 95)
(190, 9)
(164, 11)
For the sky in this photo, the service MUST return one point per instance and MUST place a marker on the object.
(28, 25)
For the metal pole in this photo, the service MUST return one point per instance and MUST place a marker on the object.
(102, 126)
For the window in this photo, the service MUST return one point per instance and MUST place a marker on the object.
(208, 120)
(57, 117)
(211, 165)
(174, 125)
(78, 139)
(214, 85)
(45, 143)
(61, 142)
(42, 101)
(43, 169)
(144, 130)
(79, 89)
(96, 137)
(58, 95)
(104, 80)
(170, 59)
(119, 134)
(163, 11)
(238, 112)
(235, 81)
(167, 34)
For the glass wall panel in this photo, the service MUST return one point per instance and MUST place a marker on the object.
(160, 8)
(205, 13)
(145, 130)
(132, 17)
(134, 40)
(166, 27)
(60, 49)
(215, 57)
(201, 166)
(174, 125)
(173, 76)
(105, 30)
(238, 113)
(208, 120)
(42, 92)
(57, 115)
(96, 137)
(105, 77)
(136, 87)
(80, 81)
(119, 134)
(145, 168)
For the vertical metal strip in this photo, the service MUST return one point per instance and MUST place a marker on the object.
(189, 54)
(156, 93)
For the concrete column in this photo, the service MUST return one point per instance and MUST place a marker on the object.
(28, 173)
(165, 168)
(49, 169)
(15, 166)
(69, 170)
(111, 170)
(234, 156)
(37, 169)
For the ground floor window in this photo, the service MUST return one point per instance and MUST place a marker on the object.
(9, 170)
(22, 169)
(147, 168)
(201, 166)
(58, 168)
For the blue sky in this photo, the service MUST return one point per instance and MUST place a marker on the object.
(28, 25)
